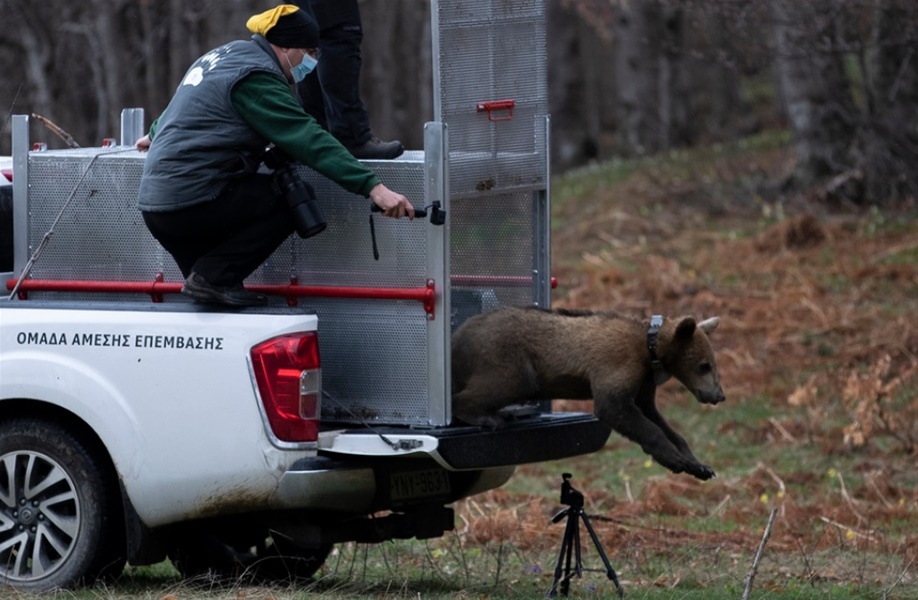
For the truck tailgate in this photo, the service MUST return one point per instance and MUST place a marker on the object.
(549, 436)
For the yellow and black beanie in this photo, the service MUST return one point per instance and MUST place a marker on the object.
(287, 26)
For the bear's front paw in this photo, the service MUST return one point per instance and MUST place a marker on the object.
(492, 422)
(702, 472)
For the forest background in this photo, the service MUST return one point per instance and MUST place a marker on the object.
(627, 77)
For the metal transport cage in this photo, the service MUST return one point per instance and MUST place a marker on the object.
(385, 323)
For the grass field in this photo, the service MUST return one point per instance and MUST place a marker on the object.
(818, 353)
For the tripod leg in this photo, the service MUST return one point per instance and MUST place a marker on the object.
(570, 536)
(610, 572)
(577, 514)
(565, 550)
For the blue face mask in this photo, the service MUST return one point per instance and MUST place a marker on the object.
(303, 69)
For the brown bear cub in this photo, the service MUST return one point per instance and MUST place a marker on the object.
(514, 355)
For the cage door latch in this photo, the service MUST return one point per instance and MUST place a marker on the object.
(493, 106)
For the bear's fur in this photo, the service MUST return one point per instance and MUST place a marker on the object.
(514, 355)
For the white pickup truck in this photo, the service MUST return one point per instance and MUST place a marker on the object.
(131, 431)
(135, 425)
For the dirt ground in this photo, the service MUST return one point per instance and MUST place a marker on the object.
(819, 323)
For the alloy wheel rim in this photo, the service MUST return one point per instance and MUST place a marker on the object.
(39, 516)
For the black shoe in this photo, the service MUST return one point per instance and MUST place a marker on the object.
(234, 295)
(375, 148)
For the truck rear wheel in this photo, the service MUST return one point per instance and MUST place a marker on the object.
(223, 551)
(59, 523)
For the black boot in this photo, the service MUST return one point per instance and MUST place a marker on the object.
(233, 295)
(376, 149)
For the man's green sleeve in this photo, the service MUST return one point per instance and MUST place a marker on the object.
(268, 105)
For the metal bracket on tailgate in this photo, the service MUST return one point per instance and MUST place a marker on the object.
(373, 443)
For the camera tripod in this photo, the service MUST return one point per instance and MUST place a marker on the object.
(570, 545)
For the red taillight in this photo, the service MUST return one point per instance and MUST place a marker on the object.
(8, 173)
(289, 377)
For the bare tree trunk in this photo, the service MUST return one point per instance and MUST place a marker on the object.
(178, 60)
(816, 90)
(154, 66)
(675, 91)
(887, 152)
(34, 37)
(80, 63)
(649, 73)
(636, 73)
(574, 132)
(103, 28)
(723, 42)
(420, 88)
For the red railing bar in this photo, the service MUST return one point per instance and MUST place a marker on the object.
(159, 287)
(156, 289)
(64, 285)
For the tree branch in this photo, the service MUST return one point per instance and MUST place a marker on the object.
(758, 554)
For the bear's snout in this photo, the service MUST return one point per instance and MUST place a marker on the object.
(711, 396)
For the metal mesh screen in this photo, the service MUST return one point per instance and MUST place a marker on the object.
(342, 255)
(100, 235)
(374, 360)
(491, 50)
(491, 253)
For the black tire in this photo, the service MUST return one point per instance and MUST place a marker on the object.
(60, 522)
(292, 563)
(223, 552)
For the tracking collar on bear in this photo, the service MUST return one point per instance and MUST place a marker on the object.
(660, 376)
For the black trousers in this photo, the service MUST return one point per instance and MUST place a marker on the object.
(226, 239)
(331, 93)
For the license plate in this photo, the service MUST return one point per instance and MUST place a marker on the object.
(419, 484)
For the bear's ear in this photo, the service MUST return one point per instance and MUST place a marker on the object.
(685, 328)
(709, 325)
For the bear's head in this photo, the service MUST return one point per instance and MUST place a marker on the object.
(685, 352)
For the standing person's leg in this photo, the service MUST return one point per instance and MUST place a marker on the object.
(309, 92)
(337, 77)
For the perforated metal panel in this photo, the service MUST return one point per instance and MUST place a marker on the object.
(489, 51)
(492, 54)
(491, 258)
(100, 235)
(374, 361)
(343, 253)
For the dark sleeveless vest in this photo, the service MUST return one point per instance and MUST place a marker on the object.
(201, 143)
